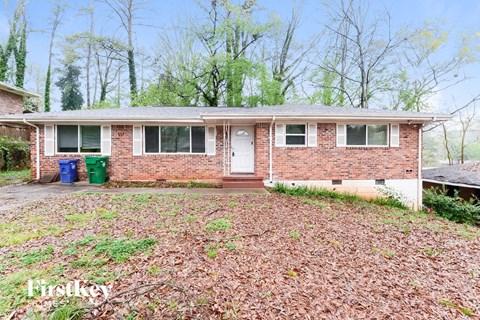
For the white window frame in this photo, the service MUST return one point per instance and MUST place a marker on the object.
(296, 135)
(173, 153)
(79, 137)
(366, 137)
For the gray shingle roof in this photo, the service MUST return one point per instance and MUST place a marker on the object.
(458, 174)
(199, 113)
(18, 91)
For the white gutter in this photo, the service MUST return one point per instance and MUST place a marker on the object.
(270, 170)
(419, 182)
(37, 146)
(463, 185)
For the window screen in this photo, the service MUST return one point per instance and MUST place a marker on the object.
(356, 135)
(198, 139)
(175, 139)
(295, 134)
(67, 138)
(378, 135)
(90, 138)
(152, 139)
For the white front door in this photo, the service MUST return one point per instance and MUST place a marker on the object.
(243, 150)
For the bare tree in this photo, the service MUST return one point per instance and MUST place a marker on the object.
(362, 44)
(422, 70)
(109, 59)
(288, 57)
(58, 13)
(126, 11)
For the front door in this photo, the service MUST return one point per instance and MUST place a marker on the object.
(243, 150)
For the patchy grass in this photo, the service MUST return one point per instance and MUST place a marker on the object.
(13, 177)
(26, 258)
(222, 224)
(121, 250)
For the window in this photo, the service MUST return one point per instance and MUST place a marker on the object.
(174, 139)
(379, 182)
(367, 135)
(295, 135)
(336, 182)
(78, 139)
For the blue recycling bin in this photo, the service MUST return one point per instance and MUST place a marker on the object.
(68, 170)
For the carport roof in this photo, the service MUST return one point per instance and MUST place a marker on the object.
(462, 174)
(293, 111)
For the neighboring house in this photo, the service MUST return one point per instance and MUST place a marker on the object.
(347, 149)
(464, 178)
(11, 102)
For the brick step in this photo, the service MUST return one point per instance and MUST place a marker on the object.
(243, 184)
(242, 178)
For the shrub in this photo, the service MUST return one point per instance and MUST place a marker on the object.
(452, 208)
(315, 192)
(14, 154)
(391, 198)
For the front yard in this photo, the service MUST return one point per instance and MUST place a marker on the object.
(246, 256)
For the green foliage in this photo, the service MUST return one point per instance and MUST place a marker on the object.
(221, 224)
(391, 198)
(30, 257)
(21, 57)
(69, 85)
(452, 208)
(47, 90)
(294, 234)
(132, 75)
(306, 191)
(121, 250)
(66, 312)
(230, 246)
(6, 52)
(14, 154)
(107, 104)
(12, 177)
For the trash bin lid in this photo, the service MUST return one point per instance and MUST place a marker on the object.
(67, 161)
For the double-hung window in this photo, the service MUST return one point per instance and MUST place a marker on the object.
(174, 139)
(295, 135)
(367, 135)
(78, 139)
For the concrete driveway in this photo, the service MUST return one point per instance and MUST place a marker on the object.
(20, 194)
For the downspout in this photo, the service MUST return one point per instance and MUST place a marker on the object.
(37, 146)
(270, 170)
(419, 183)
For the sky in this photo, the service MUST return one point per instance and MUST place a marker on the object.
(459, 16)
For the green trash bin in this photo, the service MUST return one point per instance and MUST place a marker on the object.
(97, 169)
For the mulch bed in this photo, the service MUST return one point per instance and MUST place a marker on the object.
(282, 258)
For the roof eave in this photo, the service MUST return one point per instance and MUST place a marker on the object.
(18, 91)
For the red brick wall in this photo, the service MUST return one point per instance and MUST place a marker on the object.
(124, 166)
(325, 162)
(329, 162)
(10, 103)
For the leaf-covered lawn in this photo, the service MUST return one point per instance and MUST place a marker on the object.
(247, 256)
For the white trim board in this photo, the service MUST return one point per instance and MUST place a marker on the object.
(452, 184)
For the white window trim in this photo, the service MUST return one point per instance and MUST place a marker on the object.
(79, 140)
(173, 153)
(366, 133)
(296, 135)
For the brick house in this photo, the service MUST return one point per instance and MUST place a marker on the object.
(11, 102)
(11, 98)
(346, 149)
